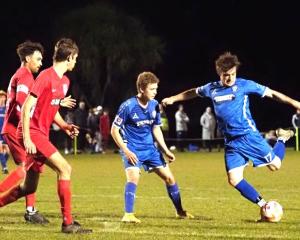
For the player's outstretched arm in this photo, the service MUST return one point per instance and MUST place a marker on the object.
(68, 102)
(25, 118)
(186, 95)
(157, 133)
(280, 97)
(119, 141)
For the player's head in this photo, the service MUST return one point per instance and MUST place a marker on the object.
(208, 110)
(180, 107)
(147, 84)
(66, 50)
(226, 66)
(31, 55)
(2, 98)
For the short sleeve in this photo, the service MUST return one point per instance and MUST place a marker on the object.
(39, 86)
(121, 116)
(252, 87)
(22, 89)
(203, 91)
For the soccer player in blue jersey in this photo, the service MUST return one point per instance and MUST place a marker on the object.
(135, 128)
(242, 139)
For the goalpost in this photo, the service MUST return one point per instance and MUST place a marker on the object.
(297, 139)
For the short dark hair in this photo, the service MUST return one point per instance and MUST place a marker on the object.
(144, 79)
(27, 48)
(64, 48)
(226, 61)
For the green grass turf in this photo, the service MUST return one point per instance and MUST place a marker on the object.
(220, 211)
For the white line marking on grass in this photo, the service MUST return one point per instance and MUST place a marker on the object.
(194, 234)
(142, 197)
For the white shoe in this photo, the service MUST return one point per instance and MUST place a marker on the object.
(184, 215)
(130, 218)
(284, 135)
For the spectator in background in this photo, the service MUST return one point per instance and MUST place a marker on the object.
(69, 118)
(104, 127)
(182, 120)
(3, 146)
(80, 119)
(296, 119)
(164, 122)
(208, 123)
(93, 135)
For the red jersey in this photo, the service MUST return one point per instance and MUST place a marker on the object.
(18, 89)
(49, 89)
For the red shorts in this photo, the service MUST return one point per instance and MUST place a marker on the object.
(43, 145)
(16, 149)
(18, 152)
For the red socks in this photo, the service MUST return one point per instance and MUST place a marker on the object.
(30, 200)
(64, 193)
(11, 196)
(12, 179)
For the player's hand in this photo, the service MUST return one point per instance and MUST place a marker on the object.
(68, 102)
(29, 146)
(72, 130)
(132, 158)
(167, 101)
(170, 156)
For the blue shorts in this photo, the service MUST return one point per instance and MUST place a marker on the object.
(149, 158)
(251, 146)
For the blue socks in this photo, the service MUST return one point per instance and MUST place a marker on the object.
(248, 191)
(174, 194)
(279, 149)
(130, 190)
(3, 160)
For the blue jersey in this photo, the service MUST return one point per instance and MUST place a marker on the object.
(2, 114)
(136, 123)
(231, 105)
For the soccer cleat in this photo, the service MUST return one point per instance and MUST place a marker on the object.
(184, 215)
(74, 227)
(262, 220)
(130, 218)
(284, 135)
(35, 218)
(5, 171)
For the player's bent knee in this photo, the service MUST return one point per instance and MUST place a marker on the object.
(234, 181)
(275, 165)
(274, 168)
(169, 180)
(64, 172)
(67, 170)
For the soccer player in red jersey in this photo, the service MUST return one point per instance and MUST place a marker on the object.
(39, 111)
(31, 55)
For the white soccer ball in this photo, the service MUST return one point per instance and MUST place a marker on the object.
(272, 211)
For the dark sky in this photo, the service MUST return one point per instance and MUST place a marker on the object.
(263, 34)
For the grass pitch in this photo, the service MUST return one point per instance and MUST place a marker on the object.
(221, 213)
